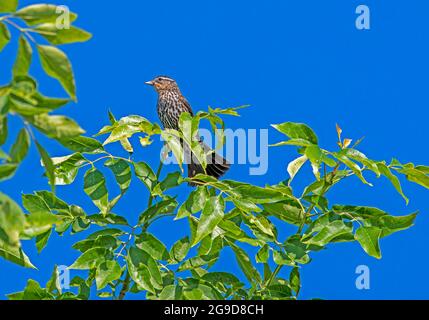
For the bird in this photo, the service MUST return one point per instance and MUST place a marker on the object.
(171, 104)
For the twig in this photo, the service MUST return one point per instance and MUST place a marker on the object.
(125, 287)
(20, 29)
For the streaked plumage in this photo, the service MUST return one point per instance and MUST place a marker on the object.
(171, 104)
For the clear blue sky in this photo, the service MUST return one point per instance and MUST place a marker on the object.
(300, 61)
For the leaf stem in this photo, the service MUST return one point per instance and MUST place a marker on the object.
(20, 29)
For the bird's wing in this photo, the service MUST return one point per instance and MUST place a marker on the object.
(186, 105)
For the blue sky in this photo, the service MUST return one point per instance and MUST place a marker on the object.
(300, 61)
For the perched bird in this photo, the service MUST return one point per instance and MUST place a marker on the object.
(171, 104)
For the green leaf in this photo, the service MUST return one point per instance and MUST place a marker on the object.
(143, 269)
(42, 240)
(261, 227)
(161, 207)
(211, 215)
(95, 188)
(41, 13)
(246, 265)
(153, 246)
(62, 36)
(296, 250)
(3, 128)
(295, 280)
(263, 254)
(223, 278)
(12, 221)
(126, 127)
(82, 144)
(171, 292)
(172, 140)
(107, 272)
(4, 35)
(7, 170)
(57, 65)
(197, 262)
(56, 127)
(377, 218)
(47, 103)
(33, 291)
(66, 168)
(172, 180)
(352, 165)
(294, 166)
(8, 6)
(15, 255)
(180, 249)
(145, 174)
(282, 259)
(385, 171)
(297, 131)
(195, 203)
(287, 210)
(20, 148)
(23, 59)
(122, 171)
(329, 232)
(244, 191)
(197, 289)
(415, 174)
(368, 237)
(102, 241)
(54, 285)
(360, 157)
(92, 258)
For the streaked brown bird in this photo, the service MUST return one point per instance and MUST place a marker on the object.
(171, 104)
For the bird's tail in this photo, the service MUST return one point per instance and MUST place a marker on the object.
(217, 166)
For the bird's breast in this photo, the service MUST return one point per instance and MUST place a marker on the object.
(169, 110)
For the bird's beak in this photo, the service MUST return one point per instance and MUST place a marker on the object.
(150, 83)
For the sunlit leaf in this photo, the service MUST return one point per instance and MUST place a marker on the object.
(92, 258)
(122, 171)
(143, 269)
(56, 127)
(57, 65)
(20, 148)
(145, 173)
(297, 131)
(107, 272)
(95, 188)
(295, 165)
(8, 6)
(368, 237)
(246, 265)
(41, 13)
(152, 246)
(62, 36)
(23, 58)
(180, 249)
(211, 215)
(82, 144)
(66, 168)
(4, 35)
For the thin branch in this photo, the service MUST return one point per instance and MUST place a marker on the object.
(20, 29)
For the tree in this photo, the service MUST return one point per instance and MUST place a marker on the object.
(123, 256)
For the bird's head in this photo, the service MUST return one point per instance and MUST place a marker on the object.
(163, 83)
